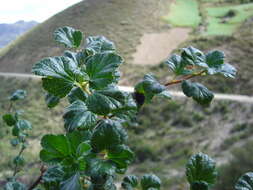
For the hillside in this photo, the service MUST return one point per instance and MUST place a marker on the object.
(125, 27)
(9, 32)
(166, 134)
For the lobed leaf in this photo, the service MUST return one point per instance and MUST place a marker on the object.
(54, 174)
(149, 181)
(77, 57)
(55, 148)
(108, 134)
(99, 44)
(245, 182)
(9, 119)
(106, 101)
(193, 57)
(129, 182)
(176, 64)
(193, 60)
(18, 95)
(15, 185)
(77, 115)
(61, 74)
(72, 183)
(51, 100)
(198, 92)
(100, 167)
(121, 155)
(68, 36)
(102, 69)
(217, 65)
(200, 170)
(147, 89)
(77, 94)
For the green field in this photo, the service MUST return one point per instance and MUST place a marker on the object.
(215, 15)
(184, 13)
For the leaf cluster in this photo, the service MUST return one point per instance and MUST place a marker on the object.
(93, 149)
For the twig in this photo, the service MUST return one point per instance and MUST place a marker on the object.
(183, 79)
(38, 180)
(16, 165)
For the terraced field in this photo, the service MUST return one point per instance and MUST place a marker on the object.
(214, 17)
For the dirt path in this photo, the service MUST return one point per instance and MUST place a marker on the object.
(232, 97)
(155, 47)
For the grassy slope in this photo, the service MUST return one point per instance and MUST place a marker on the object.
(121, 21)
(184, 13)
(166, 136)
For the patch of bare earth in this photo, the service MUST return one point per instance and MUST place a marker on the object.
(155, 47)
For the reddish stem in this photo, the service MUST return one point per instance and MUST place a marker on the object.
(185, 78)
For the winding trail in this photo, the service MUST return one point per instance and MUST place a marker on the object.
(231, 97)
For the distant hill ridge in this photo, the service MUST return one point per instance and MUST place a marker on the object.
(9, 32)
(122, 21)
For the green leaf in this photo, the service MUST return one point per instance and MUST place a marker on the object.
(18, 95)
(102, 69)
(55, 148)
(64, 149)
(129, 182)
(99, 44)
(150, 181)
(75, 139)
(51, 100)
(20, 127)
(227, 70)
(107, 135)
(193, 56)
(72, 183)
(54, 174)
(121, 155)
(19, 160)
(68, 36)
(77, 57)
(61, 74)
(198, 92)
(215, 61)
(78, 116)
(177, 65)
(200, 169)
(103, 102)
(99, 167)
(165, 94)
(23, 125)
(77, 94)
(193, 60)
(128, 111)
(15, 185)
(149, 87)
(9, 119)
(199, 186)
(15, 142)
(83, 149)
(245, 182)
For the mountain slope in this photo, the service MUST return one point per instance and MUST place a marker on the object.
(122, 21)
(9, 32)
